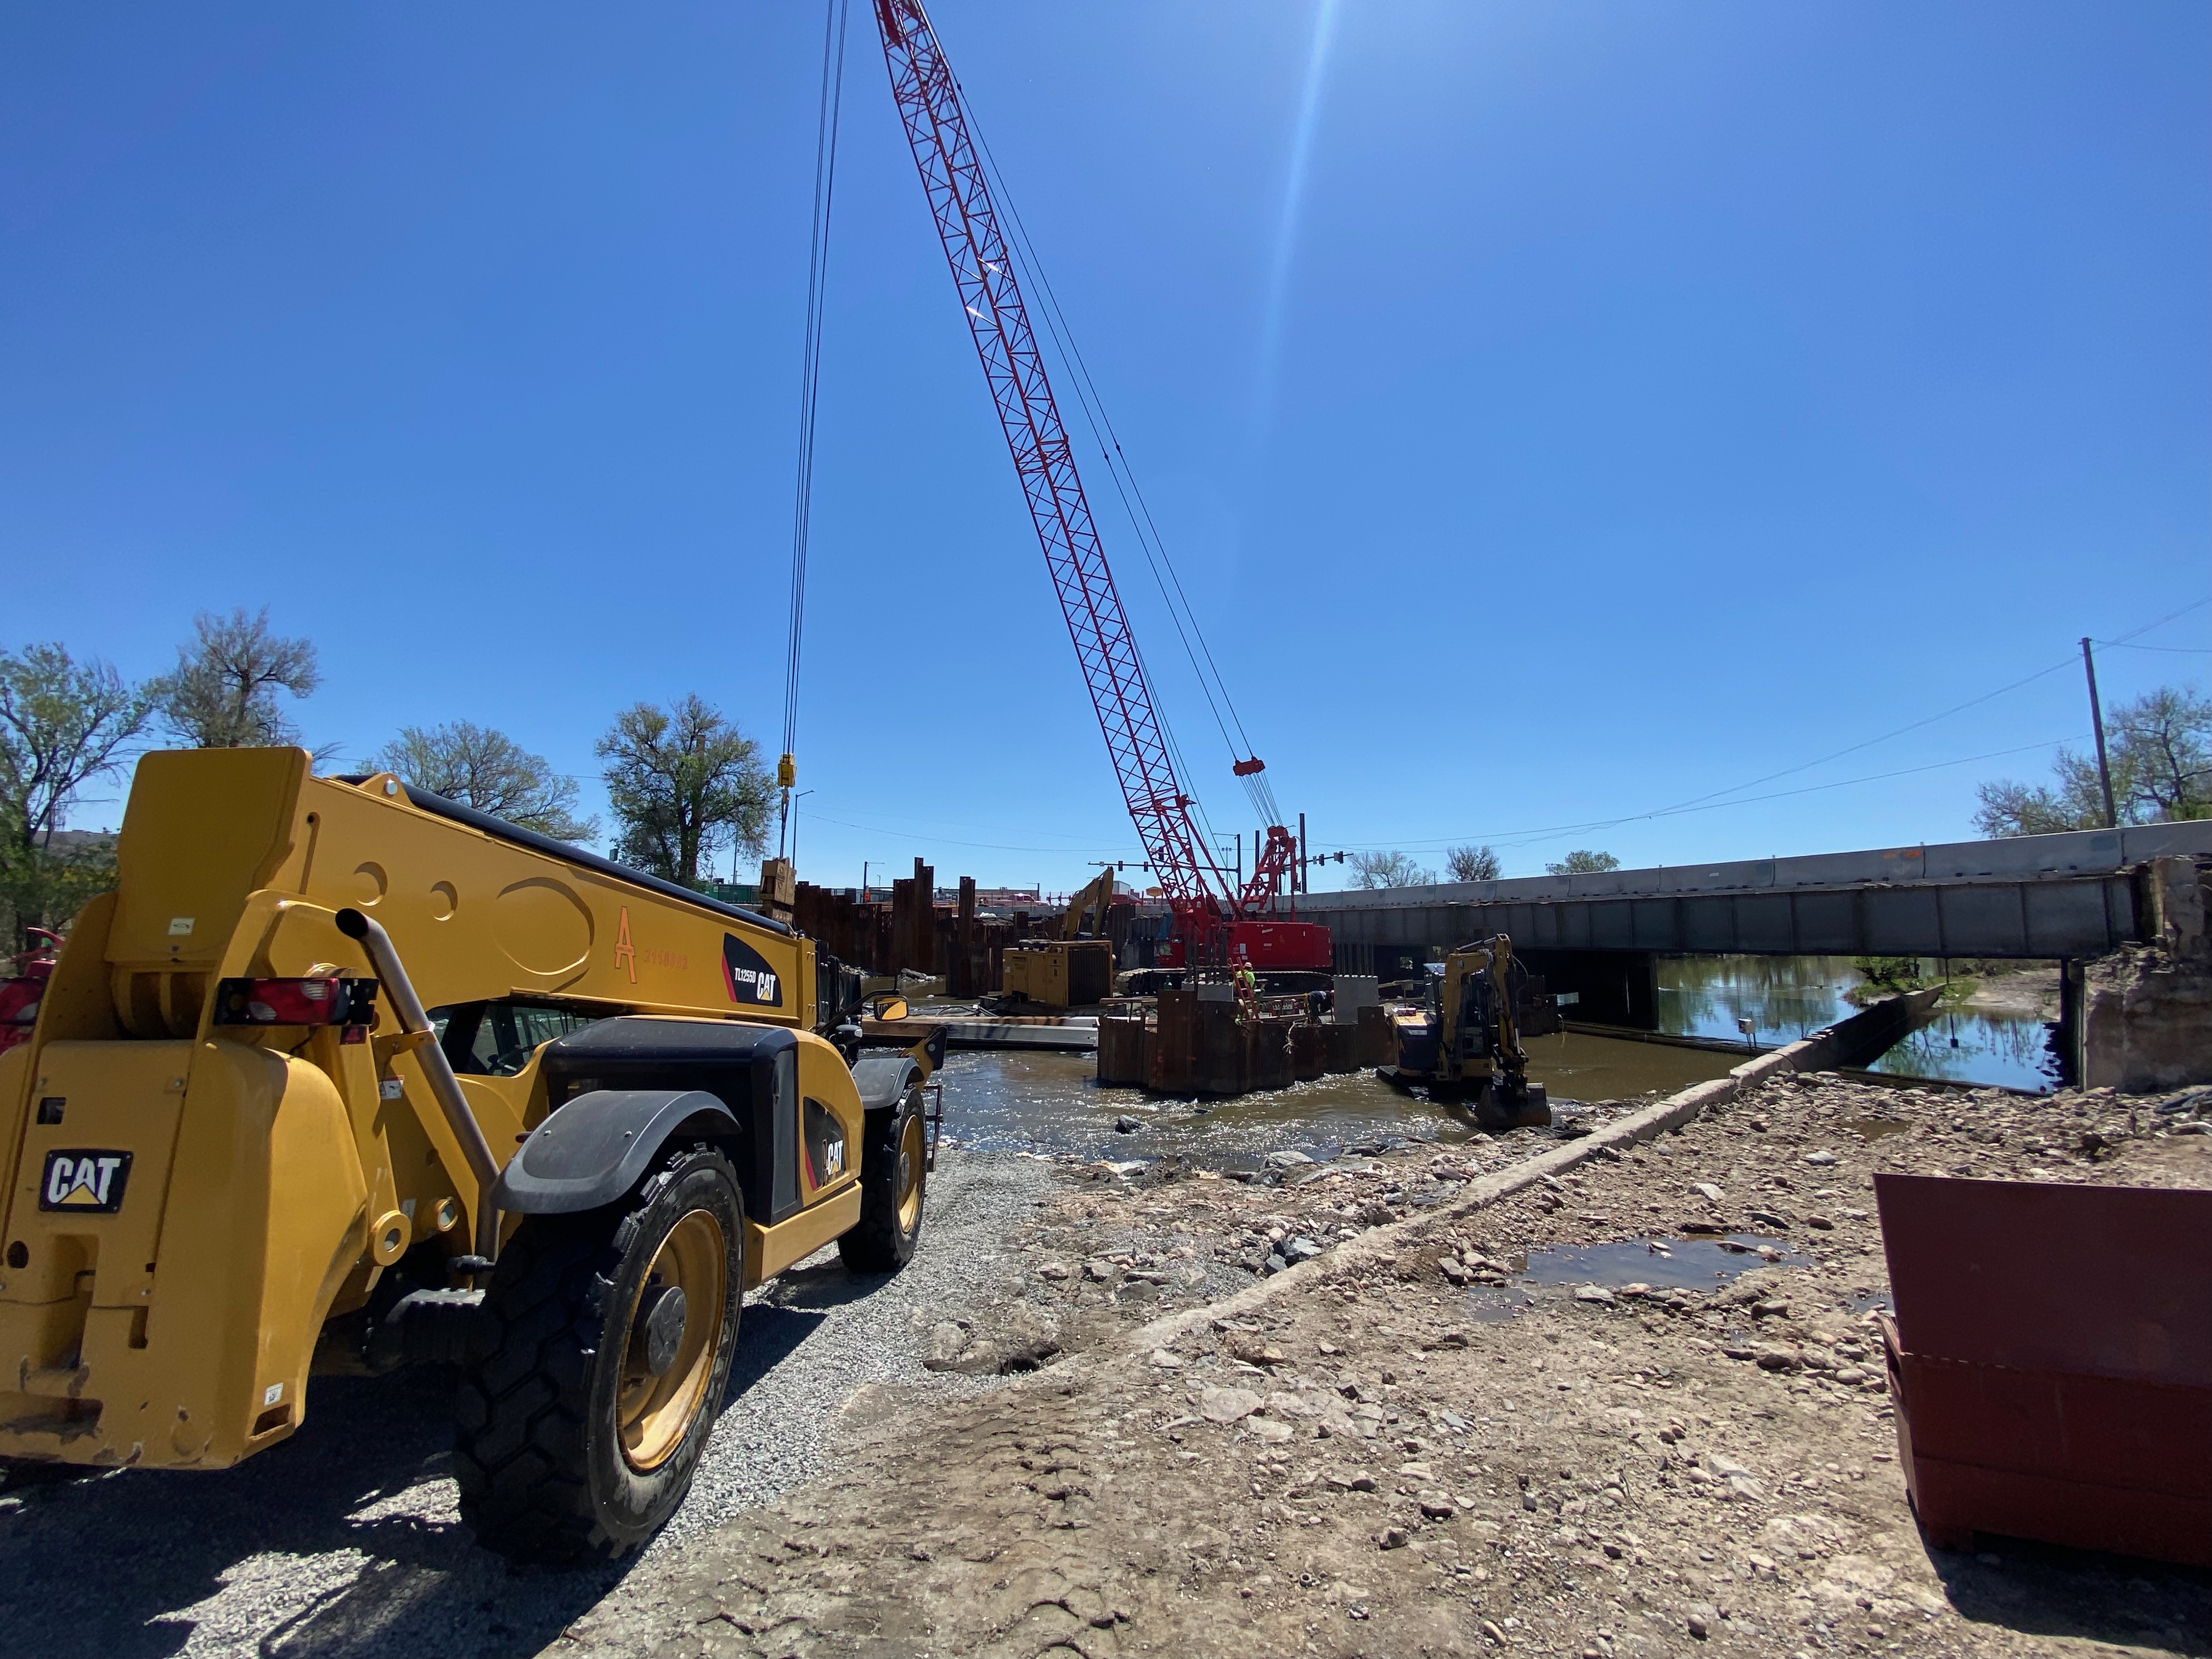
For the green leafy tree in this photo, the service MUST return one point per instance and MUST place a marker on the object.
(1472, 864)
(684, 782)
(223, 693)
(488, 770)
(63, 724)
(1583, 862)
(2159, 749)
(1388, 870)
(1890, 973)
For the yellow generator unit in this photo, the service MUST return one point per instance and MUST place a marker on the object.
(1074, 970)
(1056, 973)
(344, 1076)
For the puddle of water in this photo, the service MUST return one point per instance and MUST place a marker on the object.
(1690, 1264)
(1695, 1264)
(1874, 1128)
(1786, 998)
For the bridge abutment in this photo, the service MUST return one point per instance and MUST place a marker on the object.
(2145, 1011)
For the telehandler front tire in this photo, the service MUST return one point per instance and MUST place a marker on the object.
(600, 1364)
(894, 1182)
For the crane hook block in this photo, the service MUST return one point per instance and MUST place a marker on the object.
(1245, 768)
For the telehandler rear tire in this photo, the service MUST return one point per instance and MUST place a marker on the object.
(894, 1182)
(590, 1394)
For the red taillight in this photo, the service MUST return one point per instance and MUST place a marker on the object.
(295, 1002)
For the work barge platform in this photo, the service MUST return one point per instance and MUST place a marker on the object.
(1197, 1041)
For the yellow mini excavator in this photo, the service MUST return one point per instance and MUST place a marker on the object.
(1464, 1043)
(344, 1076)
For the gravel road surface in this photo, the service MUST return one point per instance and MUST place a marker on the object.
(347, 1539)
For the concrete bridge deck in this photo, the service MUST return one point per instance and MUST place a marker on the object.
(2064, 896)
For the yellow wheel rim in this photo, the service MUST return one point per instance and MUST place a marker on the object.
(912, 1162)
(654, 1413)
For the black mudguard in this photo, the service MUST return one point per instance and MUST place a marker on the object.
(884, 1079)
(600, 1146)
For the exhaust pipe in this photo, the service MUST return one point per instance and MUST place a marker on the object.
(445, 1087)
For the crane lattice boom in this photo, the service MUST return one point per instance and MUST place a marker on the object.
(1213, 915)
(968, 224)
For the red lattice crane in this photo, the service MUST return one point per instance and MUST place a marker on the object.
(1215, 919)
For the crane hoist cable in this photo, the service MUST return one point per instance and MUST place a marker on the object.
(1150, 542)
(1012, 360)
(810, 387)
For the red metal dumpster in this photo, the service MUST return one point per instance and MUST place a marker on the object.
(2050, 1360)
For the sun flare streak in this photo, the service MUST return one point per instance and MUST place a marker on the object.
(1274, 315)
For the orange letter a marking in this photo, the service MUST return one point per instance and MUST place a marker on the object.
(625, 953)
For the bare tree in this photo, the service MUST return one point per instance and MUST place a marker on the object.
(2159, 749)
(62, 724)
(488, 770)
(684, 781)
(1583, 862)
(1388, 870)
(1472, 864)
(223, 693)
(2165, 736)
(2010, 807)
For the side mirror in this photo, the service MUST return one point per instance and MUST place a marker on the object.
(891, 1008)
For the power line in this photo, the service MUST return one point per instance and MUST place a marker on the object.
(1138, 512)
(1527, 835)
(988, 846)
(2137, 633)
(1716, 796)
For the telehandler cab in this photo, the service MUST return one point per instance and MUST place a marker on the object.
(343, 1076)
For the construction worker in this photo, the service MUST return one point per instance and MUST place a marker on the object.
(1247, 984)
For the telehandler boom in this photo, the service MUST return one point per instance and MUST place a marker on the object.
(343, 1076)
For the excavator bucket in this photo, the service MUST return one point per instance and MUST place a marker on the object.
(2050, 1360)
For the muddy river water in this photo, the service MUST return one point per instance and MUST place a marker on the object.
(1050, 1104)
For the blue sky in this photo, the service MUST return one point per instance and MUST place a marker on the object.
(1634, 401)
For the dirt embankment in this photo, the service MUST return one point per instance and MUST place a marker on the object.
(2031, 993)
(1516, 1428)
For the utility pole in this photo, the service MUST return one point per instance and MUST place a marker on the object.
(2097, 721)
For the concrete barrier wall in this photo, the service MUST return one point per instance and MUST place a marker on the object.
(2075, 855)
(2041, 917)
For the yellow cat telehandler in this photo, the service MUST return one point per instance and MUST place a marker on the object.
(344, 1076)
